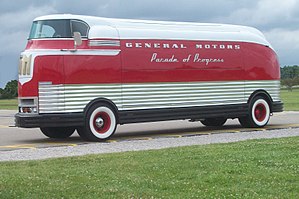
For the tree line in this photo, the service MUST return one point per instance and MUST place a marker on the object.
(289, 76)
(289, 79)
(10, 91)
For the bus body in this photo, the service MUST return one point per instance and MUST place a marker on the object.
(116, 71)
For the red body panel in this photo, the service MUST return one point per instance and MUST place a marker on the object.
(139, 66)
(260, 63)
(142, 61)
(92, 69)
(46, 69)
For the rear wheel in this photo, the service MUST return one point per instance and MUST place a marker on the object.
(58, 132)
(214, 121)
(259, 113)
(100, 123)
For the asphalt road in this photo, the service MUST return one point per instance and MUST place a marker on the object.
(29, 144)
(12, 138)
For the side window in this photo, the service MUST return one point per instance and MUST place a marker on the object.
(47, 31)
(79, 26)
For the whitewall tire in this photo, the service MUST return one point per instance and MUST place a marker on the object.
(100, 123)
(258, 115)
(260, 112)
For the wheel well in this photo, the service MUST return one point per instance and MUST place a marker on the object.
(102, 101)
(263, 94)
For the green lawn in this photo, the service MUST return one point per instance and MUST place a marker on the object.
(9, 104)
(250, 169)
(290, 99)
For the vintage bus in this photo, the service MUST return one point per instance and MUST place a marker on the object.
(91, 74)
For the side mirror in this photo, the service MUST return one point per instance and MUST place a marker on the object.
(77, 39)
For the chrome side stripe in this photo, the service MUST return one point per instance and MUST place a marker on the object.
(104, 43)
(73, 98)
(272, 87)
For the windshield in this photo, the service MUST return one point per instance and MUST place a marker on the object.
(50, 29)
(57, 29)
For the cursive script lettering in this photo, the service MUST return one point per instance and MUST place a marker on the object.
(198, 59)
(157, 59)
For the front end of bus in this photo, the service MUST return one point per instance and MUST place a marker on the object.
(41, 66)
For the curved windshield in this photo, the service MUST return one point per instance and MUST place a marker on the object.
(62, 28)
(50, 29)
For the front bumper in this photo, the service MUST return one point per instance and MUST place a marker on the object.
(49, 120)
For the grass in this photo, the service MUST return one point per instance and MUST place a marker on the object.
(290, 99)
(250, 169)
(8, 104)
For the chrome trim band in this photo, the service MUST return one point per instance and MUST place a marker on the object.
(74, 98)
(105, 43)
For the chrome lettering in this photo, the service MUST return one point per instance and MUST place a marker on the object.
(129, 45)
(206, 46)
(138, 45)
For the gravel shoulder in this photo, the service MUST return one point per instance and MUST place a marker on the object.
(139, 145)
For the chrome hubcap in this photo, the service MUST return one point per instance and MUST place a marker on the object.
(99, 122)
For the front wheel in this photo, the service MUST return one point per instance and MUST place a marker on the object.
(259, 113)
(100, 123)
(58, 132)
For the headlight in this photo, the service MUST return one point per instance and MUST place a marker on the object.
(25, 65)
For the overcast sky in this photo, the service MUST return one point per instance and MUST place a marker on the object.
(277, 19)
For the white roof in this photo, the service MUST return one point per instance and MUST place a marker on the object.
(148, 29)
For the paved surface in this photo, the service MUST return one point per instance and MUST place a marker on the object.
(18, 144)
(133, 145)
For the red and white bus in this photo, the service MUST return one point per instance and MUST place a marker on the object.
(91, 74)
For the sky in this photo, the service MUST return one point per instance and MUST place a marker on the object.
(277, 19)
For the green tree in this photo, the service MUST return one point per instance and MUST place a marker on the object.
(289, 72)
(289, 83)
(1, 92)
(290, 76)
(10, 91)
